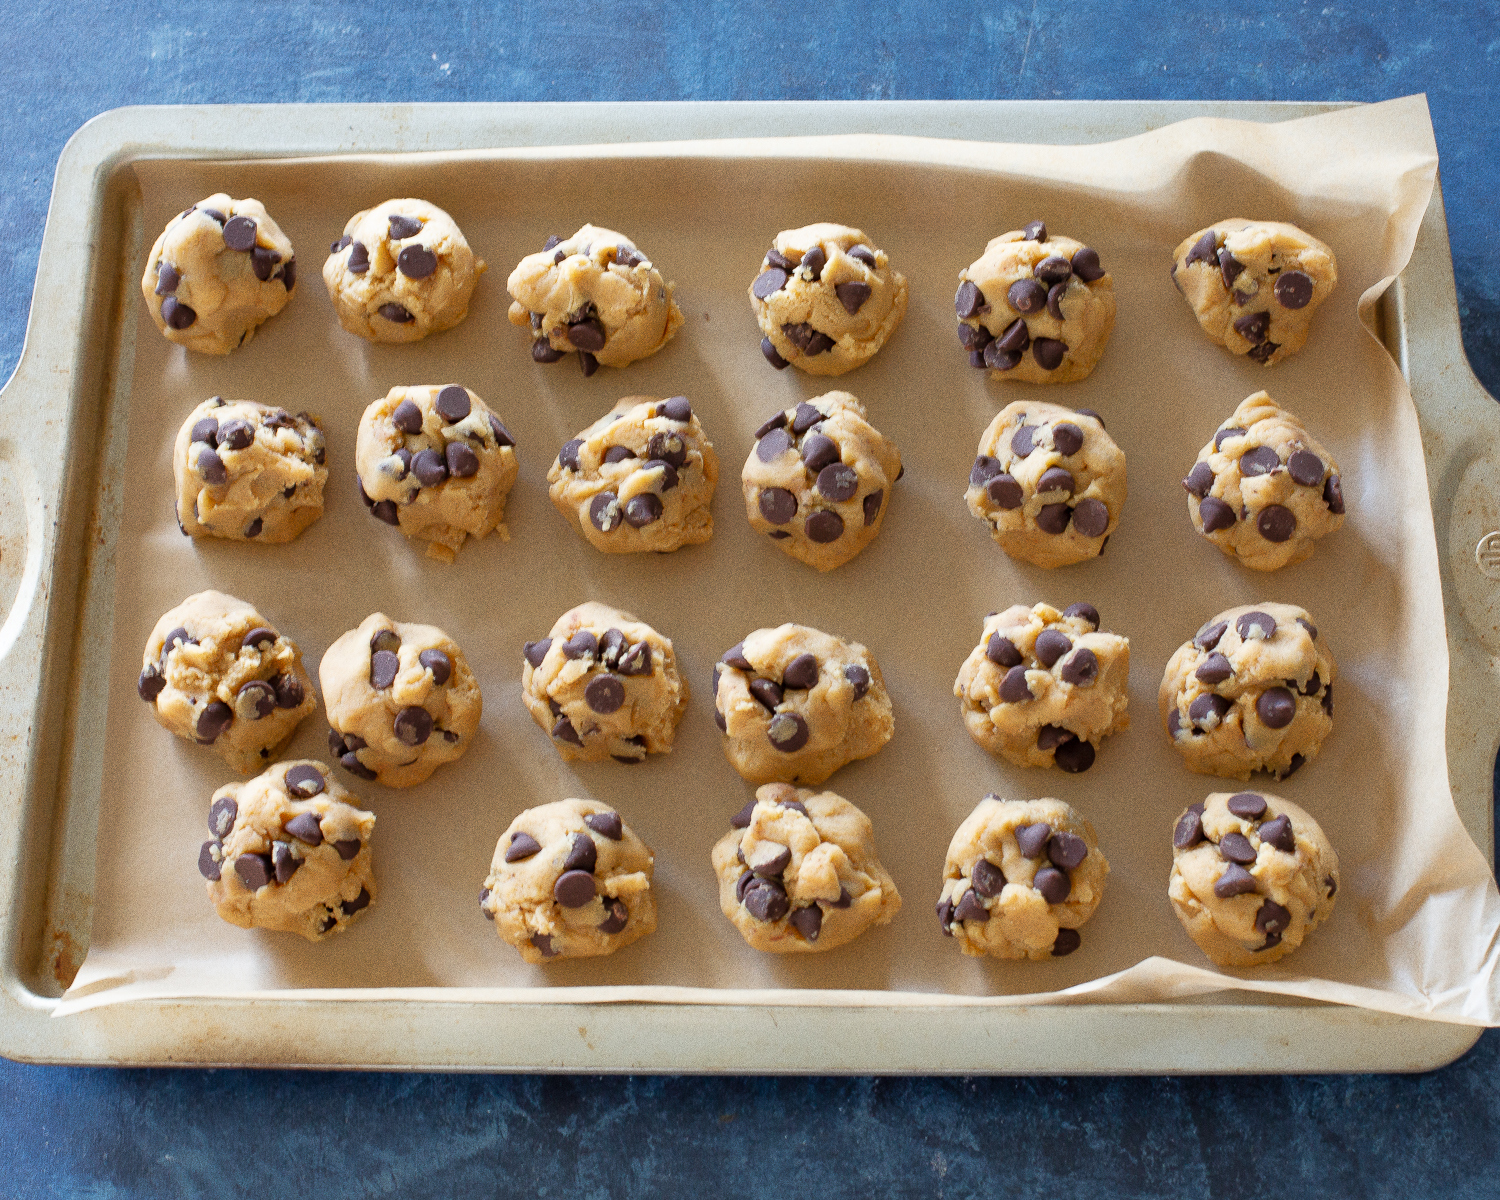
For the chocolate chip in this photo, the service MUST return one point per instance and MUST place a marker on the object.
(1293, 289)
(1023, 441)
(628, 258)
(807, 339)
(788, 732)
(402, 227)
(1205, 250)
(642, 509)
(996, 358)
(1053, 885)
(1174, 724)
(1214, 670)
(1027, 296)
(1048, 353)
(213, 720)
(211, 467)
(636, 660)
(359, 259)
(416, 262)
(735, 657)
(1272, 918)
(239, 233)
(453, 404)
(574, 889)
(254, 700)
(1051, 645)
(773, 445)
(604, 694)
(1200, 480)
(1002, 651)
(1013, 688)
(1278, 833)
(818, 452)
(1055, 296)
(1331, 884)
(1005, 492)
(768, 348)
(1259, 460)
(606, 824)
(502, 434)
(582, 644)
(1253, 327)
(1276, 707)
(438, 663)
(1215, 514)
(1236, 847)
(720, 722)
(675, 408)
(206, 430)
(747, 877)
(769, 859)
(1067, 438)
(1053, 269)
(1230, 268)
(543, 941)
(1015, 338)
(413, 725)
(1208, 637)
(462, 462)
(1080, 668)
(150, 683)
(611, 646)
(858, 678)
(1067, 850)
(801, 673)
(221, 816)
(587, 335)
(862, 254)
(1067, 941)
(805, 418)
(1333, 495)
(383, 668)
(838, 482)
(1263, 352)
(522, 846)
(1208, 705)
(1034, 231)
(974, 337)
(945, 916)
(604, 512)
(1085, 610)
(969, 301)
(1305, 468)
(1276, 523)
(872, 504)
(568, 455)
(208, 865)
(536, 651)
(254, 870)
(1189, 830)
(263, 261)
(583, 855)
(768, 283)
(356, 768)
(1223, 435)
(852, 295)
(1235, 881)
(304, 826)
(742, 819)
(1312, 687)
(1085, 264)
(765, 899)
(543, 351)
(815, 260)
(1247, 804)
(1075, 756)
(970, 908)
(824, 527)
(988, 879)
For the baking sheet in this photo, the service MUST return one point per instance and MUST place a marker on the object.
(1415, 924)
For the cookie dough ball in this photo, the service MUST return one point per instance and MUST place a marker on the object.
(641, 477)
(604, 685)
(1254, 285)
(826, 299)
(1021, 877)
(216, 272)
(248, 471)
(1050, 483)
(401, 270)
(798, 872)
(1043, 687)
(1252, 875)
(569, 880)
(818, 480)
(596, 294)
(1253, 691)
(795, 704)
(434, 461)
(1263, 491)
(290, 851)
(401, 699)
(216, 673)
(1035, 308)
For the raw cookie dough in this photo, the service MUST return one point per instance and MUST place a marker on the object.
(401, 270)
(796, 704)
(1252, 875)
(216, 673)
(401, 700)
(604, 685)
(1020, 878)
(290, 851)
(216, 272)
(826, 299)
(248, 471)
(798, 872)
(569, 880)
(1049, 482)
(1253, 691)
(1254, 285)
(1263, 491)
(594, 293)
(641, 477)
(434, 461)
(818, 480)
(1035, 308)
(1043, 687)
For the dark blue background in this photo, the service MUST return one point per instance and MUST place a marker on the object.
(98, 1133)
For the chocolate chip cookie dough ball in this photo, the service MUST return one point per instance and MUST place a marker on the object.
(1050, 483)
(818, 480)
(1035, 308)
(798, 872)
(1253, 691)
(216, 673)
(401, 700)
(1263, 491)
(290, 851)
(248, 471)
(639, 478)
(795, 704)
(570, 880)
(603, 685)
(1043, 688)
(1021, 877)
(216, 272)
(594, 294)
(400, 271)
(1252, 876)
(826, 299)
(1254, 285)
(434, 461)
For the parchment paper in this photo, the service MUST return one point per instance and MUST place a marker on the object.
(1415, 927)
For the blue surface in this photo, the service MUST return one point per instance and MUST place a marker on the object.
(69, 1132)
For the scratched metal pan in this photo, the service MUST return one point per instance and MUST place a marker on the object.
(62, 452)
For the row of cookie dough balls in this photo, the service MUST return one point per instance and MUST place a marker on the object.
(1252, 874)
(1033, 307)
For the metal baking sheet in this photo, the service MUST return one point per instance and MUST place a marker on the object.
(56, 556)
